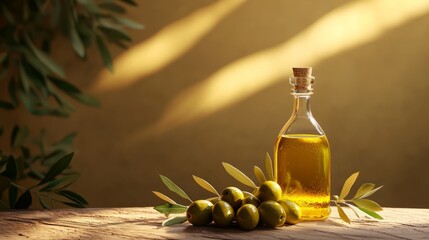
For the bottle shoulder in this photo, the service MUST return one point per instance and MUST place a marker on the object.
(302, 125)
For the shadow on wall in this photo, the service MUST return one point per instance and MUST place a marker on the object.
(208, 85)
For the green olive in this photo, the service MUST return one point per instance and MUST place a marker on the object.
(222, 213)
(293, 211)
(199, 213)
(247, 217)
(272, 214)
(269, 191)
(233, 196)
(246, 194)
(251, 199)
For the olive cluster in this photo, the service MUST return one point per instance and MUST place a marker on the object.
(247, 210)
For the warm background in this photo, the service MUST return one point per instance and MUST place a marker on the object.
(206, 82)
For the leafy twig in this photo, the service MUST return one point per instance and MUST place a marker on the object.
(367, 206)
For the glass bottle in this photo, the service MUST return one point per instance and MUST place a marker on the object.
(302, 158)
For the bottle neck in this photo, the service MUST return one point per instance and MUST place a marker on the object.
(301, 107)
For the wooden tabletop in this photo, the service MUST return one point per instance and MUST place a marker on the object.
(145, 223)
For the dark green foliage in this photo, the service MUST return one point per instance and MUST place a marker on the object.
(49, 167)
(27, 29)
(39, 83)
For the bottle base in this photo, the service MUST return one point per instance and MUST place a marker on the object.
(315, 214)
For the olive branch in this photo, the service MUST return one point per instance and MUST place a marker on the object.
(359, 200)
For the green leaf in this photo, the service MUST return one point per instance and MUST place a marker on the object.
(371, 213)
(73, 196)
(343, 215)
(20, 136)
(45, 59)
(367, 204)
(169, 208)
(259, 174)
(348, 185)
(364, 188)
(74, 204)
(174, 220)
(90, 5)
(129, 23)
(67, 140)
(352, 207)
(59, 183)
(206, 185)
(25, 79)
(75, 38)
(6, 105)
(11, 168)
(86, 99)
(54, 156)
(43, 203)
(269, 167)
(164, 197)
(112, 7)
(173, 187)
(74, 92)
(57, 168)
(115, 34)
(64, 86)
(130, 2)
(370, 192)
(24, 201)
(238, 175)
(105, 54)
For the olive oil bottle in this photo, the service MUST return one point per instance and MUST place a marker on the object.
(302, 159)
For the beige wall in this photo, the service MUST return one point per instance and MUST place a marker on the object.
(214, 89)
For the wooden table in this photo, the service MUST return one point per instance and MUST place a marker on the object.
(145, 223)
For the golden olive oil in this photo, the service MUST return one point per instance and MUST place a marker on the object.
(302, 168)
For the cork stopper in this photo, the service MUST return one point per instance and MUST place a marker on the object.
(302, 72)
(302, 81)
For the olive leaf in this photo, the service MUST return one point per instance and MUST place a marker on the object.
(364, 188)
(164, 197)
(343, 215)
(371, 213)
(353, 208)
(370, 192)
(174, 188)
(129, 23)
(259, 174)
(367, 204)
(76, 41)
(169, 208)
(174, 220)
(78, 199)
(44, 204)
(206, 185)
(45, 59)
(348, 185)
(105, 54)
(57, 168)
(269, 167)
(238, 175)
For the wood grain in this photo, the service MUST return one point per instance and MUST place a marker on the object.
(145, 223)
